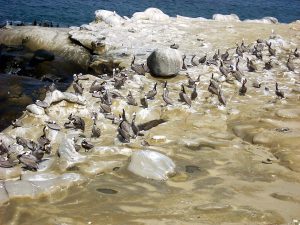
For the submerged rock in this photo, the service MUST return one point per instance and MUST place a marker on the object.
(151, 165)
(165, 62)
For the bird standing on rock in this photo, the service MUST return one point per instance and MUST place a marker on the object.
(251, 66)
(184, 97)
(78, 88)
(165, 97)
(86, 145)
(243, 89)
(202, 60)
(151, 94)
(144, 101)
(140, 69)
(221, 97)
(131, 100)
(194, 93)
(278, 92)
(195, 61)
(272, 51)
(290, 65)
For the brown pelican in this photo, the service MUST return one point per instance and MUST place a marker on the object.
(125, 137)
(194, 93)
(140, 69)
(131, 100)
(225, 71)
(144, 102)
(165, 97)
(104, 108)
(243, 89)
(96, 131)
(237, 74)
(53, 125)
(278, 92)
(296, 53)
(21, 141)
(225, 56)
(96, 86)
(243, 46)
(119, 82)
(29, 161)
(174, 46)
(251, 66)
(166, 87)
(78, 88)
(38, 153)
(184, 67)
(43, 140)
(238, 50)
(86, 145)
(5, 163)
(134, 127)
(217, 55)
(290, 65)
(191, 82)
(202, 60)
(271, 50)
(151, 94)
(221, 97)
(184, 97)
(195, 61)
(125, 125)
(256, 84)
(268, 65)
(213, 86)
(3, 148)
(75, 122)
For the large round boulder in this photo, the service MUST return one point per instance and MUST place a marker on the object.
(165, 62)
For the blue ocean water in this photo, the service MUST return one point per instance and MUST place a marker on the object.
(77, 12)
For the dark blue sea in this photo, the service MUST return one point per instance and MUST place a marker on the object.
(77, 12)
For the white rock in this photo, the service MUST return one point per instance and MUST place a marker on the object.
(231, 17)
(153, 14)
(151, 164)
(57, 96)
(267, 20)
(33, 108)
(165, 62)
(68, 155)
(109, 17)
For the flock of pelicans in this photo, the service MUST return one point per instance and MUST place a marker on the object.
(34, 151)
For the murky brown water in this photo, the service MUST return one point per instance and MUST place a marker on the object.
(218, 152)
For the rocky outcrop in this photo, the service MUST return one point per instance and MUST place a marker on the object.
(268, 20)
(227, 18)
(152, 14)
(165, 62)
(55, 40)
(109, 17)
